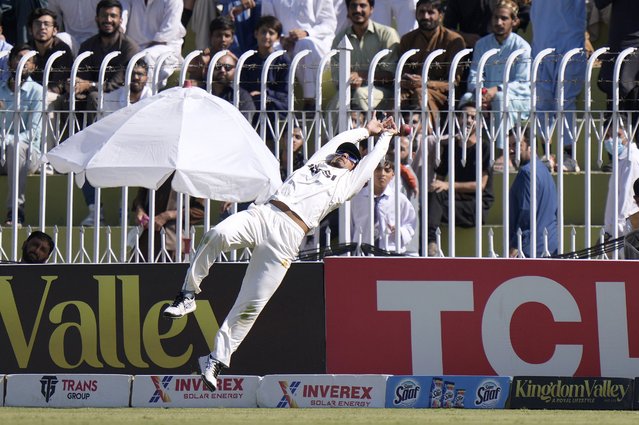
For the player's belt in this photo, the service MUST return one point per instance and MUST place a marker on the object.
(286, 210)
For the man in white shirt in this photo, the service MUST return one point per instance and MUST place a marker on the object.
(155, 25)
(307, 24)
(275, 230)
(385, 226)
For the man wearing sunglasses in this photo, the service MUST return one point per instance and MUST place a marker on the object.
(275, 230)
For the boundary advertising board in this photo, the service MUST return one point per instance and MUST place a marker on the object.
(107, 319)
(427, 316)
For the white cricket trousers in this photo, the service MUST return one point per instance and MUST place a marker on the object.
(275, 239)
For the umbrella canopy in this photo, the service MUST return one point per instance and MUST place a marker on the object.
(213, 150)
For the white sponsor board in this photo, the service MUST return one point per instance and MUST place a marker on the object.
(67, 390)
(322, 391)
(190, 391)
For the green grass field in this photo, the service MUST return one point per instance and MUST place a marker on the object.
(22, 416)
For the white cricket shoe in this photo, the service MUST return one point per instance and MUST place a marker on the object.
(181, 306)
(210, 368)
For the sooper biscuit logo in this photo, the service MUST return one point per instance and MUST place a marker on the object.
(288, 399)
(160, 386)
(406, 393)
(488, 394)
(48, 386)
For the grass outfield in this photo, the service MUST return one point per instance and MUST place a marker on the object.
(174, 416)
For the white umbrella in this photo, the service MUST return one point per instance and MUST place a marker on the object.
(206, 141)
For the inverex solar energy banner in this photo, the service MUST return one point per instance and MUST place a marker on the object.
(190, 391)
(462, 392)
(291, 391)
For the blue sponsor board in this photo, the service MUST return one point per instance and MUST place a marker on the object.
(461, 392)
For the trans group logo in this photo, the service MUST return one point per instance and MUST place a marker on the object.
(288, 399)
(406, 394)
(47, 388)
(160, 387)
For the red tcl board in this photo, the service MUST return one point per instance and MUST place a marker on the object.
(482, 316)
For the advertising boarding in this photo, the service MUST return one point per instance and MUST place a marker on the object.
(190, 391)
(487, 317)
(65, 390)
(292, 391)
(447, 392)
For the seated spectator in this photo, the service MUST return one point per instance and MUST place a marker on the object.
(268, 33)
(78, 19)
(368, 38)
(165, 218)
(503, 38)
(138, 90)
(29, 132)
(156, 27)
(37, 248)
(307, 24)
(4, 61)
(223, 83)
(465, 183)
(473, 19)
(520, 202)
(43, 26)
(109, 38)
(385, 227)
(221, 33)
(429, 36)
(627, 173)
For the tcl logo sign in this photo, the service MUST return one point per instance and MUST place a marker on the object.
(503, 317)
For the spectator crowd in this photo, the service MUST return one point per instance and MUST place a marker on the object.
(261, 40)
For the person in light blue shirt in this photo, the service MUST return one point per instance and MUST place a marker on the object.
(30, 127)
(503, 38)
(560, 25)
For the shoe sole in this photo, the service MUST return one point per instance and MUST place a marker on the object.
(211, 388)
(172, 316)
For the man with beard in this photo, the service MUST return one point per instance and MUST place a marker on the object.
(108, 39)
(27, 142)
(503, 38)
(368, 38)
(223, 83)
(138, 89)
(43, 25)
(37, 248)
(429, 36)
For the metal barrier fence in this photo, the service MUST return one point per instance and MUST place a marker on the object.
(581, 129)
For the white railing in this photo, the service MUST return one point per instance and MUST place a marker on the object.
(586, 132)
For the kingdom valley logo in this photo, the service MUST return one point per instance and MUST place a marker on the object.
(48, 386)
(288, 399)
(160, 386)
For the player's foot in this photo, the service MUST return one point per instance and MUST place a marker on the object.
(182, 305)
(210, 368)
